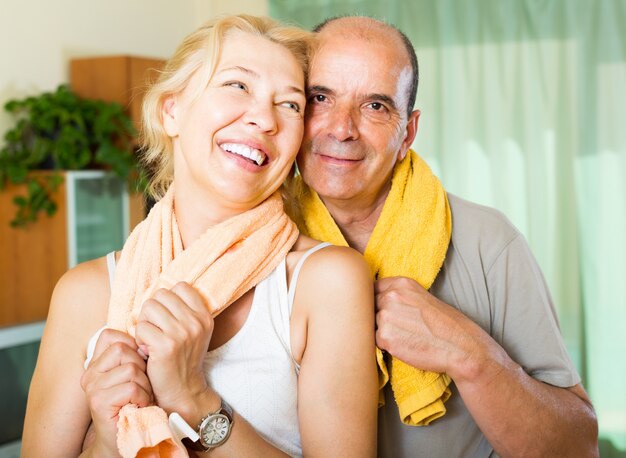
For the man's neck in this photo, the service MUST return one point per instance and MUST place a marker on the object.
(356, 220)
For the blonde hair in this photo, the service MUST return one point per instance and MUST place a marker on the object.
(200, 52)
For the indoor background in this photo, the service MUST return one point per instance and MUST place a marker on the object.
(523, 108)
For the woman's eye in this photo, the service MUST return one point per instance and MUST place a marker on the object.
(293, 106)
(236, 84)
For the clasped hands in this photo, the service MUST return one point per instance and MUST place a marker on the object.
(174, 329)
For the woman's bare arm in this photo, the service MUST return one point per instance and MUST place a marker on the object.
(337, 388)
(57, 415)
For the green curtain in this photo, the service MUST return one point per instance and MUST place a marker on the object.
(524, 109)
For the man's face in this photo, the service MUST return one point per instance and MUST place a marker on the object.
(356, 120)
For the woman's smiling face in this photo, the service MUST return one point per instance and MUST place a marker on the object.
(237, 140)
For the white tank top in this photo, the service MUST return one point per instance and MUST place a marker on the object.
(255, 371)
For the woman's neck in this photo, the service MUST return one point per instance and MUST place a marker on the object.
(195, 213)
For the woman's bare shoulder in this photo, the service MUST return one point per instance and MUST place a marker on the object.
(334, 288)
(88, 271)
(80, 298)
(334, 259)
(336, 271)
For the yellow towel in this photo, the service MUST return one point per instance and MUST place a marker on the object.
(410, 239)
(224, 263)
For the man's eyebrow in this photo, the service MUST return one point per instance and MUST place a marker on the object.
(319, 90)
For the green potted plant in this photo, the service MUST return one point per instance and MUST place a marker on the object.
(61, 131)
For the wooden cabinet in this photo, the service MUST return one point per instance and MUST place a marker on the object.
(92, 220)
(32, 260)
(121, 79)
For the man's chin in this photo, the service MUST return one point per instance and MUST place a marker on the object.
(327, 189)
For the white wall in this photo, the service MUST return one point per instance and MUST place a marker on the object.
(39, 37)
(205, 9)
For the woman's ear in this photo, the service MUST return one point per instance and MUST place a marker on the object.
(170, 118)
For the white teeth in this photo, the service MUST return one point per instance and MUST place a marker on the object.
(245, 151)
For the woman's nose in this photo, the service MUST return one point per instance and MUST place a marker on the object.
(262, 114)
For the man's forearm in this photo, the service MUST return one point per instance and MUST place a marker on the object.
(521, 416)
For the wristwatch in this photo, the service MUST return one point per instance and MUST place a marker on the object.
(213, 429)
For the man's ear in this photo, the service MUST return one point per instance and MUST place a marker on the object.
(170, 118)
(411, 131)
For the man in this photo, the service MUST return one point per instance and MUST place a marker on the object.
(487, 320)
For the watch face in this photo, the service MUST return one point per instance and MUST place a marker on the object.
(215, 430)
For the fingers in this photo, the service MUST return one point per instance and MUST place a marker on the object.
(163, 310)
(396, 283)
(115, 378)
(113, 398)
(168, 307)
(179, 314)
(190, 296)
(119, 363)
(116, 354)
(123, 374)
(109, 337)
(383, 284)
(394, 291)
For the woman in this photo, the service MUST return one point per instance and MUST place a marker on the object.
(281, 370)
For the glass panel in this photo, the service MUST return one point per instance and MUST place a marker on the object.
(99, 216)
(16, 369)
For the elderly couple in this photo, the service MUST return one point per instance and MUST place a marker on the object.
(424, 328)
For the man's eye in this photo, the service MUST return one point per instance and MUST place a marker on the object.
(319, 98)
(377, 106)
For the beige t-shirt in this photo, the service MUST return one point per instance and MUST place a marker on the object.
(492, 277)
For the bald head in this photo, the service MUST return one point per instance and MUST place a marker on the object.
(370, 29)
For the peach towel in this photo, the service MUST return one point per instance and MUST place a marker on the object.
(225, 262)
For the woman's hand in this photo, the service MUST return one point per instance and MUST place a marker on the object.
(174, 329)
(115, 377)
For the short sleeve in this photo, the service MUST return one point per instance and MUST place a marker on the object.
(523, 317)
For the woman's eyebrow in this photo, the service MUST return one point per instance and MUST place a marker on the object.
(247, 71)
(295, 89)
(240, 69)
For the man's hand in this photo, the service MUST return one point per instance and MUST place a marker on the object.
(416, 327)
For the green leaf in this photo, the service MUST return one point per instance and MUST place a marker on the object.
(20, 200)
(69, 131)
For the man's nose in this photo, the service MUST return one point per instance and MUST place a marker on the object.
(343, 122)
(262, 114)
